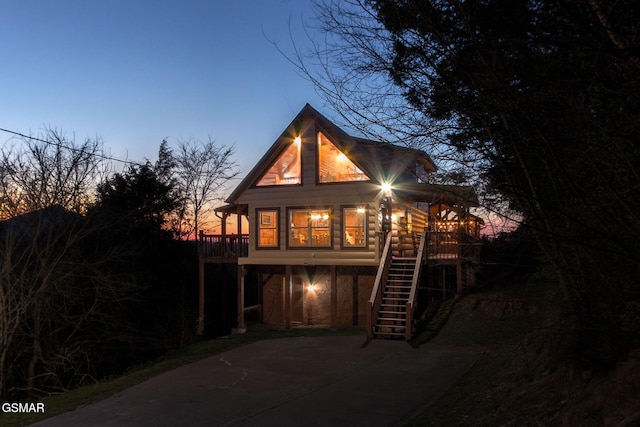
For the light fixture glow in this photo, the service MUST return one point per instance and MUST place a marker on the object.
(311, 287)
(298, 141)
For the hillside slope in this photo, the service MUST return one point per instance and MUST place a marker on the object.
(520, 379)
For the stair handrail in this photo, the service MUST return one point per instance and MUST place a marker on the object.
(411, 302)
(381, 277)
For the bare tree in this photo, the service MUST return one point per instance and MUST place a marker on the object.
(535, 98)
(52, 284)
(36, 172)
(203, 169)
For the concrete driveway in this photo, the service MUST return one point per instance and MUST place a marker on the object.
(319, 381)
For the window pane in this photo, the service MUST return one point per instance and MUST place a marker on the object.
(268, 228)
(299, 228)
(309, 227)
(353, 220)
(285, 170)
(320, 220)
(334, 164)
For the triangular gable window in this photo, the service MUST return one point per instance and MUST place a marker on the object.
(285, 170)
(334, 166)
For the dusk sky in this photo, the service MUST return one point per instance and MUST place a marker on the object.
(133, 72)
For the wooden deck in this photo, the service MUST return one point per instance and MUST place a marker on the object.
(217, 248)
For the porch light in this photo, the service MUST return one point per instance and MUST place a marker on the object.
(298, 141)
(386, 188)
(311, 287)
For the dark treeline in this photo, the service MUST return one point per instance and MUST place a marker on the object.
(538, 103)
(94, 277)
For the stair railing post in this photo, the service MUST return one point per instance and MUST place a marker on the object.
(378, 286)
(411, 302)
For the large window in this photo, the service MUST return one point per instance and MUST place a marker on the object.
(309, 228)
(353, 227)
(334, 165)
(286, 169)
(267, 228)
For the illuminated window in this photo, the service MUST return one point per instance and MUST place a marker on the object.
(353, 227)
(267, 228)
(334, 166)
(309, 227)
(285, 170)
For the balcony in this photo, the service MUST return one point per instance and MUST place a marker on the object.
(218, 248)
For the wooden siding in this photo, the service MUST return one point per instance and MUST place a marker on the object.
(333, 255)
(310, 194)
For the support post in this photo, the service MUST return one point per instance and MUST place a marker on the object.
(356, 299)
(288, 287)
(334, 296)
(241, 274)
(200, 327)
(459, 281)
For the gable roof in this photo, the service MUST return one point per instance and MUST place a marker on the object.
(378, 160)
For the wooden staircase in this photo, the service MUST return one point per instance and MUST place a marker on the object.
(391, 321)
(394, 294)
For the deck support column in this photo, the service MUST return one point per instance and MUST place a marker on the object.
(200, 327)
(459, 277)
(288, 287)
(355, 298)
(242, 271)
(334, 296)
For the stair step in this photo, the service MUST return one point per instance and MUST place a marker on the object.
(390, 329)
(397, 334)
(402, 319)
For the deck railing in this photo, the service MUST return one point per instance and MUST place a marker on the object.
(452, 245)
(217, 246)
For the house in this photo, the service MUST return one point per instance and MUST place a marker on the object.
(344, 231)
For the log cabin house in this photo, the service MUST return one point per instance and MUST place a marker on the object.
(343, 231)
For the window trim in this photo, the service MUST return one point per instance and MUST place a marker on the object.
(343, 226)
(329, 227)
(258, 223)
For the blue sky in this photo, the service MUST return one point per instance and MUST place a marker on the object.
(136, 71)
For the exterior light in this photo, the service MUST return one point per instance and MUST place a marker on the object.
(385, 188)
(311, 287)
(298, 141)
(360, 210)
